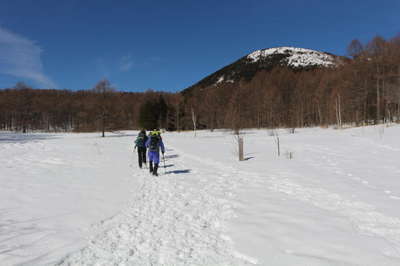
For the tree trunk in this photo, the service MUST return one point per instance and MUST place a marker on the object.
(378, 115)
(338, 112)
(319, 114)
(103, 125)
(194, 121)
(177, 118)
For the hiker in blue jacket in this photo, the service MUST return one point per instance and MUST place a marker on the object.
(140, 144)
(154, 144)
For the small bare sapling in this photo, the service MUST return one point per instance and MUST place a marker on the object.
(277, 141)
(289, 155)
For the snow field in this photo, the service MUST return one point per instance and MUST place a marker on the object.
(53, 187)
(334, 203)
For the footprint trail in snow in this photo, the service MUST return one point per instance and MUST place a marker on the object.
(168, 223)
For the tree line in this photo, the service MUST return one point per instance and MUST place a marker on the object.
(102, 109)
(363, 90)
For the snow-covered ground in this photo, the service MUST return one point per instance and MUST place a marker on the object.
(78, 199)
(53, 187)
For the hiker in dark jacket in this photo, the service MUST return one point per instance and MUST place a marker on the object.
(140, 144)
(155, 144)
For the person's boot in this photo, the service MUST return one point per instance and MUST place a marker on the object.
(155, 169)
(151, 167)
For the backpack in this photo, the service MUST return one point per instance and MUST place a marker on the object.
(154, 140)
(140, 140)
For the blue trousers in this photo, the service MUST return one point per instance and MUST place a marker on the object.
(154, 156)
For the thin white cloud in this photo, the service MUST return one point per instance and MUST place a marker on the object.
(126, 63)
(21, 58)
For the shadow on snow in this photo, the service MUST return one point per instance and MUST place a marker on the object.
(23, 138)
(171, 156)
(177, 172)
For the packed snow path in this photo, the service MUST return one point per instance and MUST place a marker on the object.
(174, 220)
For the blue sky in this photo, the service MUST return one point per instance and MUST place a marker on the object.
(169, 45)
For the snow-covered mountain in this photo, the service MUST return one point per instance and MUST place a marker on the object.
(296, 59)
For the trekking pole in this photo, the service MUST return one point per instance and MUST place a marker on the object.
(163, 158)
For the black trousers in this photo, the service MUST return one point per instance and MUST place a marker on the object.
(141, 156)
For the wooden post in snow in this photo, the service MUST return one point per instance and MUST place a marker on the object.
(240, 142)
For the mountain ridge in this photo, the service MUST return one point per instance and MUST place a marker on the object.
(246, 67)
